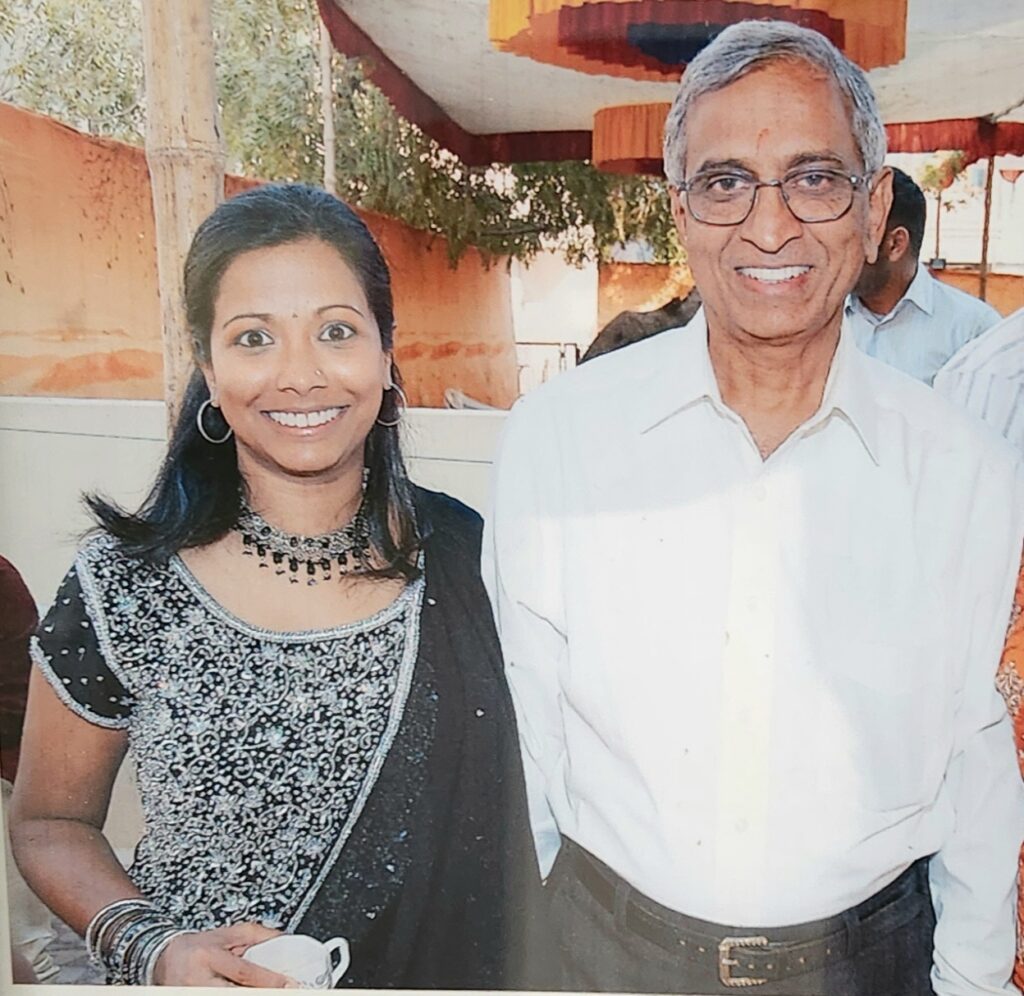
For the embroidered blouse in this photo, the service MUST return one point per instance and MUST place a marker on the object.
(361, 781)
(255, 750)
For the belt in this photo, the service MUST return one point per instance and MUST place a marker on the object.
(751, 957)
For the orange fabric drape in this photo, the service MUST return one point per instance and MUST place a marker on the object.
(979, 138)
(628, 139)
(562, 32)
(1011, 683)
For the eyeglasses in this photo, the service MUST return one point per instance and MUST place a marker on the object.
(812, 195)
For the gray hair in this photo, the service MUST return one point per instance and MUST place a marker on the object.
(740, 49)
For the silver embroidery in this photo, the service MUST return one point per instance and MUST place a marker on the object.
(255, 750)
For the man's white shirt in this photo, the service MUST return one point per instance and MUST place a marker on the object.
(987, 378)
(926, 327)
(759, 690)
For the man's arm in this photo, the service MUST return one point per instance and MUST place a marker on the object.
(521, 567)
(974, 874)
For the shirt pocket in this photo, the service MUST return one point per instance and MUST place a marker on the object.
(892, 737)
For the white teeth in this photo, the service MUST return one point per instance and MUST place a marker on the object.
(305, 420)
(773, 275)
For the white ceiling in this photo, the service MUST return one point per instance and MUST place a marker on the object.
(965, 58)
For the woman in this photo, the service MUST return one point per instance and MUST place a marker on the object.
(1011, 684)
(295, 644)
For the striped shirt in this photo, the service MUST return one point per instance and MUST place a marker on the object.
(987, 378)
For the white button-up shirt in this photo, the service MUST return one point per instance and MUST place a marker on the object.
(987, 378)
(760, 689)
(926, 327)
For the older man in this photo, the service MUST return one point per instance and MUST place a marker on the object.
(752, 587)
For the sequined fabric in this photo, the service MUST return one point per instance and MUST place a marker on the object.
(256, 751)
(1010, 682)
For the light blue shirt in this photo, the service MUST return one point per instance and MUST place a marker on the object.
(930, 323)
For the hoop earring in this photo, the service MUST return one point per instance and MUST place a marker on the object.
(400, 409)
(207, 404)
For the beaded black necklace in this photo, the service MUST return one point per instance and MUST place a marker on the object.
(343, 551)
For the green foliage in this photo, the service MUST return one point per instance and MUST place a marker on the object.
(76, 60)
(940, 174)
(267, 81)
(81, 61)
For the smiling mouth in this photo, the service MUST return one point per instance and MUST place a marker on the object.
(305, 420)
(772, 274)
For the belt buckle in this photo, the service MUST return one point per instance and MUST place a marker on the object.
(726, 962)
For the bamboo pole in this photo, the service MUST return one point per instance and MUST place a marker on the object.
(327, 107)
(185, 158)
(983, 268)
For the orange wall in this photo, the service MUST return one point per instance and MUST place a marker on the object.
(79, 314)
(1005, 291)
(638, 287)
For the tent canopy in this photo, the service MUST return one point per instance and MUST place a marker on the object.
(436, 62)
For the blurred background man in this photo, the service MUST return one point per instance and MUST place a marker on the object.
(899, 312)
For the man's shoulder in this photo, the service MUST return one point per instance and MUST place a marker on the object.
(930, 420)
(998, 351)
(963, 304)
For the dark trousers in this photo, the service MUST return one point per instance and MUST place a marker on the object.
(612, 938)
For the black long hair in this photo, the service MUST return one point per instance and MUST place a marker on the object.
(195, 499)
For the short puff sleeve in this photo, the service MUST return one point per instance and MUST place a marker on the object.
(66, 649)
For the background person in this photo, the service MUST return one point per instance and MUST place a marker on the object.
(30, 923)
(899, 312)
(1011, 683)
(295, 644)
(986, 378)
(755, 676)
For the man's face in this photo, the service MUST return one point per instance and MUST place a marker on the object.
(874, 277)
(773, 277)
(893, 268)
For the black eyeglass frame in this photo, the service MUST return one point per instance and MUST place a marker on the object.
(857, 182)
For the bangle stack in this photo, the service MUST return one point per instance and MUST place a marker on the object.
(127, 937)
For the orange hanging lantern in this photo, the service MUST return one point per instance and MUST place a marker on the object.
(628, 139)
(655, 39)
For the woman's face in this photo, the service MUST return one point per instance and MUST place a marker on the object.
(296, 361)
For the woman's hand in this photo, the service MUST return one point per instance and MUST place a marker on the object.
(214, 958)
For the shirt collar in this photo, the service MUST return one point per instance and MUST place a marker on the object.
(682, 378)
(920, 292)
(685, 377)
(849, 395)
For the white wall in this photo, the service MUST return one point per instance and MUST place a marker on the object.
(554, 307)
(53, 449)
(962, 225)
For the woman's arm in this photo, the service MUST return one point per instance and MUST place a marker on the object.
(60, 802)
(67, 772)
